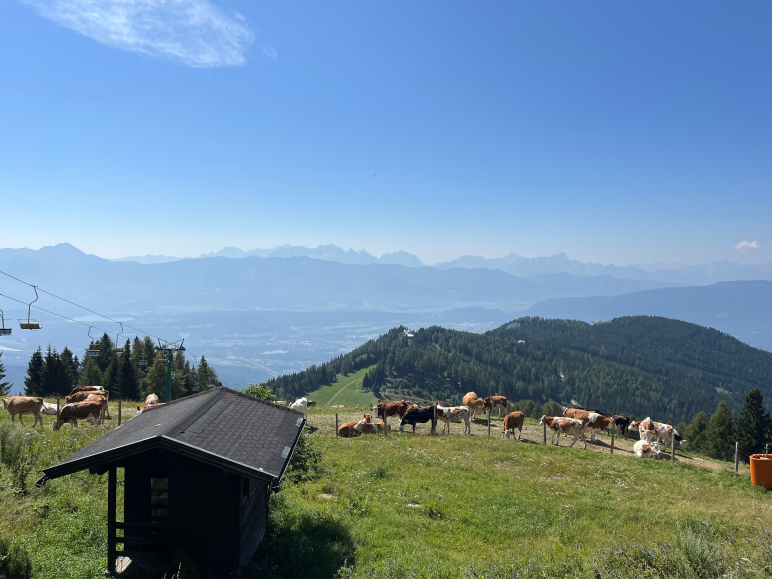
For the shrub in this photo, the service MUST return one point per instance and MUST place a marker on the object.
(306, 462)
(15, 563)
(16, 453)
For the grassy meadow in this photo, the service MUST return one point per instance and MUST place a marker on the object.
(407, 505)
(344, 390)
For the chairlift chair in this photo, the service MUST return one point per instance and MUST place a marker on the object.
(3, 330)
(175, 375)
(142, 360)
(91, 351)
(30, 324)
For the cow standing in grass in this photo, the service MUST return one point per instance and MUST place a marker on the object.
(512, 421)
(649, 430)
(302, 405)
(494, 402)
(455, 414)
(21, 405)
(472, 402)
(396, 408)
(566, 426)
(418, 415)
(81, 411)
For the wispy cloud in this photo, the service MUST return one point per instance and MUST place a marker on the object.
(270, 53)
(744, 246)
(191, 32)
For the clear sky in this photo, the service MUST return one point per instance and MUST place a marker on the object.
(618, 132)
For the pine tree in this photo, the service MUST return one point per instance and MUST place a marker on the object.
(720, 435)
(127, 377)
(34, 379)
(70, 370)
(90, 374)
(5, 387)
(111, 380)
(106, 355)
(695, 432)
(753, 425)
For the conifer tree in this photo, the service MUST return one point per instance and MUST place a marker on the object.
(5, 386)
(70, 370)
(127, 377)
(111, 380)
(90, 374)
(34, 379)
(753, 425)
(106, 355)
(695, 432)
(720, 435)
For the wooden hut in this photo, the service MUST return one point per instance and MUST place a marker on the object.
(197, 475)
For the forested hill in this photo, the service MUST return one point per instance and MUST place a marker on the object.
(642, 365)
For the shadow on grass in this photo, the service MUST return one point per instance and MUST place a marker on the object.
(302, 543)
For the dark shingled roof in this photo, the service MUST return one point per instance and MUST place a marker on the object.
(220, 426)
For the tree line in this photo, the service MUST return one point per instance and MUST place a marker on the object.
(647, 366)
(130, 372)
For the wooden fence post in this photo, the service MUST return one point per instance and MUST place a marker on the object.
(336, 424)
(736, 456)
(434, 421)
(612, 442)
(385, 423)
(489, 423)
(57, 409)
(545, 432)
(119, 411)
(672, 448)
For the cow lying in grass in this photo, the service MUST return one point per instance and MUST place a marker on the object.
(367, 426)
(93, 409)
(21, 405)
(564, 425)
(645, 449)
(512, 421)
(455, 414)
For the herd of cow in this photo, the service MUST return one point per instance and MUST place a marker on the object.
(575, 422)
(90, 402)
(83, 403)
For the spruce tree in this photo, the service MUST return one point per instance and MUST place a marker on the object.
(5, 387)
(90, 374)
(695, 432)
(34, 379)
(111, 380)
(70, 367)
(128, 382)
(719, 436)
(753, 426)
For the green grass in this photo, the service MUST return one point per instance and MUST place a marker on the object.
(415, 503)
(345, 390)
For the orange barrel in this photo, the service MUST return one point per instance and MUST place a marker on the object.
(761, 470)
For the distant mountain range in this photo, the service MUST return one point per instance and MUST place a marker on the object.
(513, 264)
(328, 252)
(703, 274)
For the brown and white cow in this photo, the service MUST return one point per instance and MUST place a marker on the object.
(512, 421)
(493, 402)
(455, 414)
(81, 411)
(391, 408)
(566, 426)
(84, 394)
(472, 402)
(649, 430)
(347, 430)
(598, 423)
(85, 389)
(21, 405)
(367, 426)
(645, 449)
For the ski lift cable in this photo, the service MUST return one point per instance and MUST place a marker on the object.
(78, 306)
(60, 315)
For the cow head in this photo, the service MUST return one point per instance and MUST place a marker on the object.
(310, 403)
(634, 425)
(544, 419)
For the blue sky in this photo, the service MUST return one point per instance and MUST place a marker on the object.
(618, 132)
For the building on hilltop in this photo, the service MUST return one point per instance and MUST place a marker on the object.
(197, 475)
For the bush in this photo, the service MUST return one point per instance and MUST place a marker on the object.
(15, 563)
(16, 453)
(261, 391)
(305, 464)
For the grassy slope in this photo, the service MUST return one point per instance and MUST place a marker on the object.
(481, 500)
(345, 390)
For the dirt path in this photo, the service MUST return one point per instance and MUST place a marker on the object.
(324, 425)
